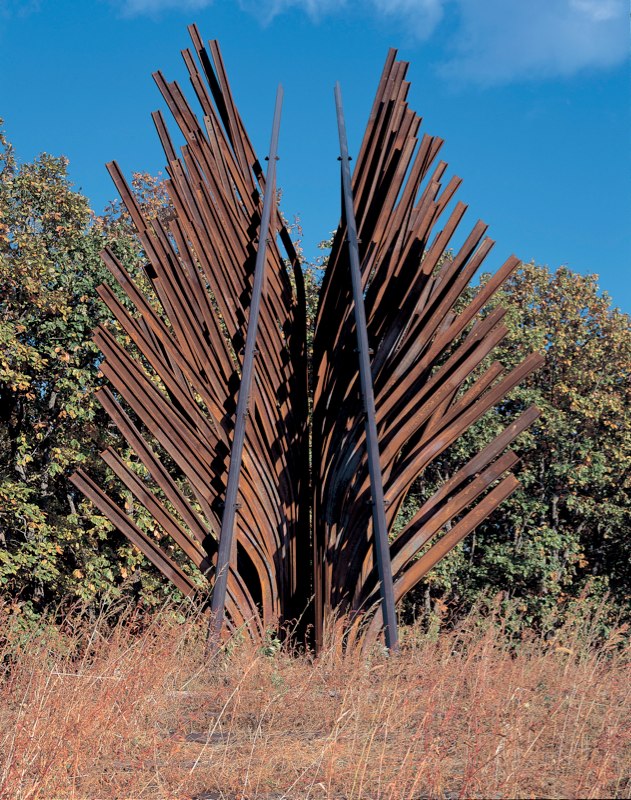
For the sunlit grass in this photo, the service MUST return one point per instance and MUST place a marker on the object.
(134, 710)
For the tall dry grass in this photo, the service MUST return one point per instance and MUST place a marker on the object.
(134, 710)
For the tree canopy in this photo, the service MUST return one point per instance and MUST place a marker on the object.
(566, 531)
(53, 544)
(563, 533)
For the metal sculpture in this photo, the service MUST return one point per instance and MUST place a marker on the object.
(425, 356)
(218, 383)
(183, 385)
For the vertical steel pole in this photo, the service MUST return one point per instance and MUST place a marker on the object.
(380, 528)
(226, 536)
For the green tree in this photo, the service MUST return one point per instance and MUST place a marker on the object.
(52, 543)
(49, 267)
(567, 530)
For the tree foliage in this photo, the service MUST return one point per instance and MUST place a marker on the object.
(566, 528)
(53, 544)
(49, 267)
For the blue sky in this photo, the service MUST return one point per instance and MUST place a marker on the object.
(532, 97)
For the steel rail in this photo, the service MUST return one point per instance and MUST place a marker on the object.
(226, 536)
(380, 527)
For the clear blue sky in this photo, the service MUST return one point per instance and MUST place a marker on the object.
(532, 97)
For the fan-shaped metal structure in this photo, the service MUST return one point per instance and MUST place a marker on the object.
(268, 506)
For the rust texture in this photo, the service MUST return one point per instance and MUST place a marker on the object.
(423, 354)
(301, 539)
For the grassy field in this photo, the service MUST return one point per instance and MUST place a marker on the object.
(91, 710)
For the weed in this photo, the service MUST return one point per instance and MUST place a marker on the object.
(135, 709)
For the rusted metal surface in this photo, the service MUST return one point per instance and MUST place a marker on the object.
(226, 553)
(380, 528)
(425, 352)
(207, 365)
(181, 373)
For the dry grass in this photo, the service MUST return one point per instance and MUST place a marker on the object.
(92, 711)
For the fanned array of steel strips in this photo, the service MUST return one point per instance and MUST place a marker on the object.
(213, 396)
(410, 294)
(201, 267)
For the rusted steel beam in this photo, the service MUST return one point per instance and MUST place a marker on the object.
(437, 552)
(226, 536)
(156, 470)
(118, 517)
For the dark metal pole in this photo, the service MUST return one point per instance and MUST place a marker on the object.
(380, 528)
(226, 536)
